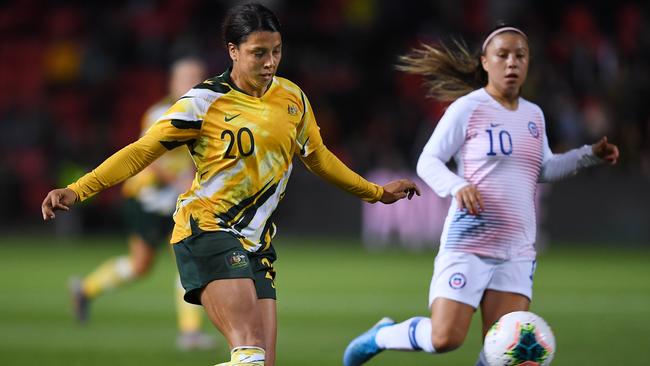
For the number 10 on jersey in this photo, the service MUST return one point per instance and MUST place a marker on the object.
(505, 142)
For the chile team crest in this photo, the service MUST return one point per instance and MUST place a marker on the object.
(532, 128)
(457, 281)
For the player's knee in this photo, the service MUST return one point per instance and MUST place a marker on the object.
(142, 263)
(141, 267)
(446, 341)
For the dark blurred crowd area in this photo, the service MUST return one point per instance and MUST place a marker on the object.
(76, 77)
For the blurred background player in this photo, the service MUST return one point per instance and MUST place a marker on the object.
(150, 200)
(499, 142)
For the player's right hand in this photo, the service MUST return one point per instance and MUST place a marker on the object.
(469, 198)
(57, 199)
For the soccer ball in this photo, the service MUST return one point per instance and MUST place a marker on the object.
(519, 338)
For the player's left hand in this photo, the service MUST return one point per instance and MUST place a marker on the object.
(398, 189)
(605, 151)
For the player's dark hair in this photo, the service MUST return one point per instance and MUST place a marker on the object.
(449, 72)
(242, 20)
(501, 27)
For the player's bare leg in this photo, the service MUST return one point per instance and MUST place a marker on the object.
(111, 274)
(141, 254)
(232, 306)
(267, 307)
(450, 321)
(494, 305)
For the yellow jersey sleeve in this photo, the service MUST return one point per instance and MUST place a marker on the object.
(320, 161)
(327, 166)
(120, 166)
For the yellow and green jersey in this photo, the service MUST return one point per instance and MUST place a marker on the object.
(242, 147)
(157, 187)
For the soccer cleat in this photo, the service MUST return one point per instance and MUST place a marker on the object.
(245, 356)
(195, 341)
(80, 302)
(364, 347)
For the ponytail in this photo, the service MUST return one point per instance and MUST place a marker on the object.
(449, 73)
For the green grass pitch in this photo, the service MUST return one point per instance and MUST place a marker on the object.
(597, 300)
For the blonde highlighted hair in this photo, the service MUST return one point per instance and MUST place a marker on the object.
(449, 73)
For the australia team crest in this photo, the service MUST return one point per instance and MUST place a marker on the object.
(237, 260)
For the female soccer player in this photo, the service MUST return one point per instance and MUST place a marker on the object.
(498, 140)
(242, 129)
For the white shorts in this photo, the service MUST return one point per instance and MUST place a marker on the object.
(464, 277)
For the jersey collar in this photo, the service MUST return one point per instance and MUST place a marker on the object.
(228, 80)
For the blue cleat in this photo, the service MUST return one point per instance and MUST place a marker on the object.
(364, 347)
(80, 302)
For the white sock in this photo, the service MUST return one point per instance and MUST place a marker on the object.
(124, 268)
(247, 355)
(411, 335)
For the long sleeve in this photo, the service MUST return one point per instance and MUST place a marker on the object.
(445, 142)
(327, 166)
(123, 164)
(559, 166)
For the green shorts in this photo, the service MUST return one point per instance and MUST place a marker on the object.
(215, 255)
(154, 229)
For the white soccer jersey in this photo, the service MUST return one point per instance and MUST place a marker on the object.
(504, 154)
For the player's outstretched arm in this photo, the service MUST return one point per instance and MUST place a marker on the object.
(559, 166)
(327, 166)
(57, 199)
(605, 151)
(399, 189)
(118, 167)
